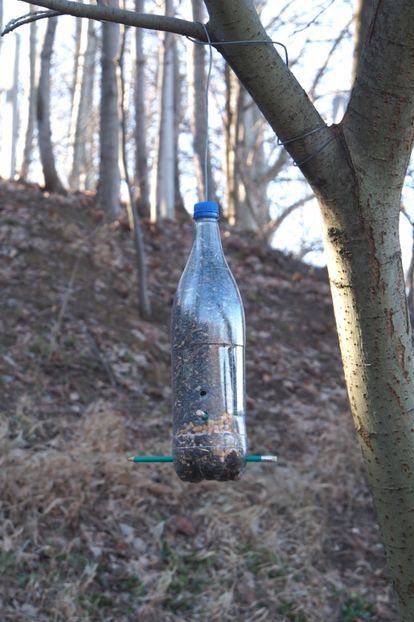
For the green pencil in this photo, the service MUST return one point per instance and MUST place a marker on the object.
(171, 459)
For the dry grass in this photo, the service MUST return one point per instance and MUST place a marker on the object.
(85, 535)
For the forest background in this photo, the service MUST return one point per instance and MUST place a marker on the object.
(82, 529)
(260, 189)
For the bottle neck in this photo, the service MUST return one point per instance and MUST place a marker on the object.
(207, 237)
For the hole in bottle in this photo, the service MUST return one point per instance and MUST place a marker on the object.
(203, 392)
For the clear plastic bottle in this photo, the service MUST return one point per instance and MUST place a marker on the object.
(208, 361)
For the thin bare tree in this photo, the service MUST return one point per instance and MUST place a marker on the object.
(141, 140)
(198, 110)
(144, 304)
(163, 186)
(31, 117)
(81, 122)
(108, 193)
(47, 158)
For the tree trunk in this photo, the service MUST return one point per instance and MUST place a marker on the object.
(198, 109)
(246, 192)
(82, 106)
(178, 118)
(231, 126)
(357, 171)
(87, 126)
(163, 191)
(141, 155)
(33, 73)
(254, 214)
(363, 19)
(109, 177)
(52, 181)
(144, 305)
(14, 99)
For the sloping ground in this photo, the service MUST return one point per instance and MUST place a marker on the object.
(85, 535)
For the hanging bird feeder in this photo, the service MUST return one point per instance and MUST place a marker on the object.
(208, 363)
(208, 350)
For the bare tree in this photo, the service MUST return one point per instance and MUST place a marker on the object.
(198, 109)
(109, 176)
(163, 189)
(81, 122)
(31, 120)
(14, 99)
(52, 181)
(246, 194)
(141, 155)
(144, 304)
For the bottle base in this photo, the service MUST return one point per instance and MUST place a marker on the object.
(193, 464)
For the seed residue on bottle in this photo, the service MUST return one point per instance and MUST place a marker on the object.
(208, 375)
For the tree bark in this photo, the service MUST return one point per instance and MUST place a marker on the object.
(87, 123)
(363, 18)
(14, 99)
(178, 118)
(198, 109)
(84, 74)
(33, 72)
(109, 176)
(163, 192)
(141, 155)
(52, 181)
(78, 74)
(231, 126)
(80, 139)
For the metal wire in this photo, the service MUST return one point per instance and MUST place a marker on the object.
(210, 66)
(240, 42)
(210, 44)
(292, 140)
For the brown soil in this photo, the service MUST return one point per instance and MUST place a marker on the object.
(84, 382)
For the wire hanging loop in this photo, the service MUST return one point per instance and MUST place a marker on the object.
(239, 42)
(305, 135)
(210, 44)
(210, 66)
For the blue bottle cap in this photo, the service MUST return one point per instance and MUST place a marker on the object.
(206, 209)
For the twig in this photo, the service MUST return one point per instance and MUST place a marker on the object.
(26, 19)
(314, 19)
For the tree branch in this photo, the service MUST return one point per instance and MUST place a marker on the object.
(275, 89)
(274, 224)
(130, 18)
(27, 19)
